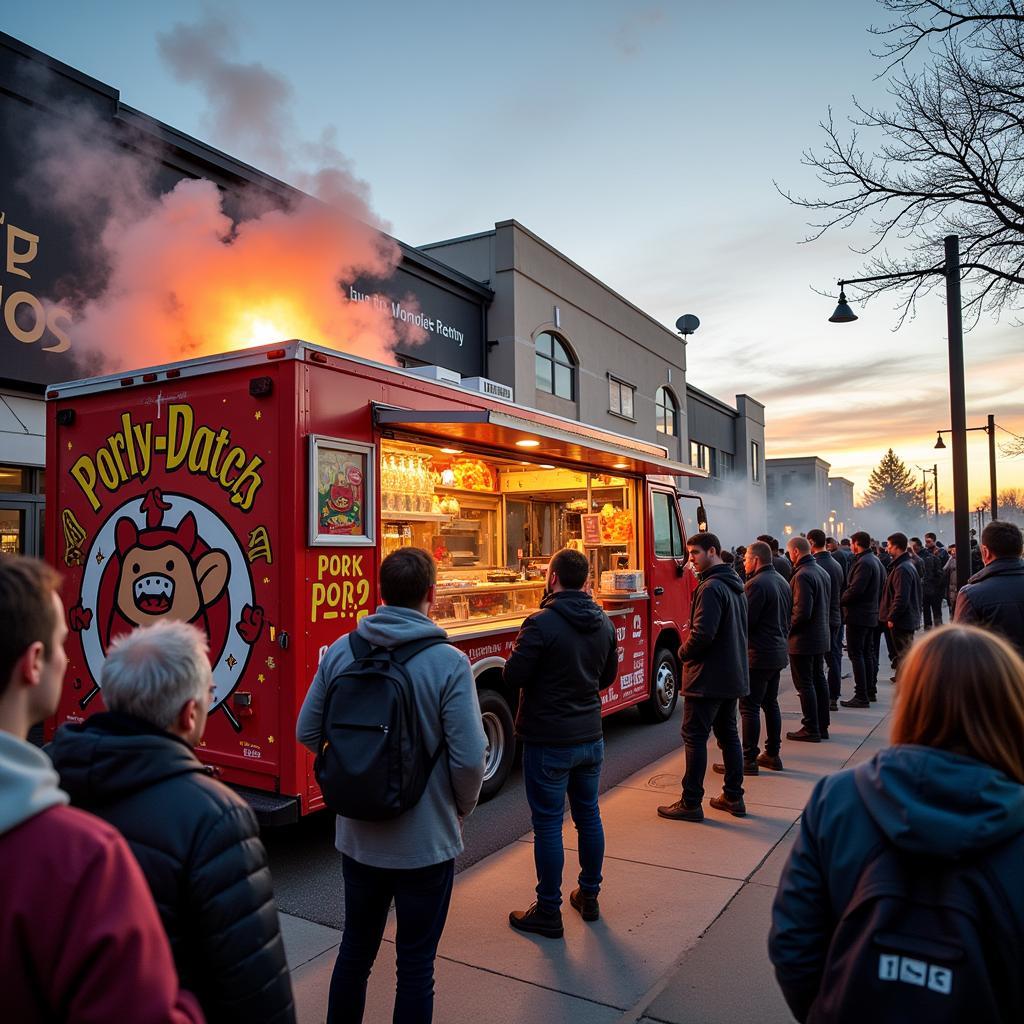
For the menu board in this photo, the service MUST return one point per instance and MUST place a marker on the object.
(590, 524)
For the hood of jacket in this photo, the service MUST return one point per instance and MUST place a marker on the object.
(112, 755)
(1000, 567)
(723, 574)
(28, 783)
(391, 626)
(935, 802)
(577, 608)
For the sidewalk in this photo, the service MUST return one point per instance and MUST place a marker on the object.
(685, 908)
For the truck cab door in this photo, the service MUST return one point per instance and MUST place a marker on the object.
(671, 580)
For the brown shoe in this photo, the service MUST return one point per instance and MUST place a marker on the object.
(585, 903)
(749, 768)
(737, 808)
(537, 921)
(681, 811)
(770, 761)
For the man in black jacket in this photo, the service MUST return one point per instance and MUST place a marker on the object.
(931, 583)
(196, 841)
(837, 580)
(564, 656)
(715, 675)
(769, 610)
(900, 607)
(780, 561)
(810, 639)
(860, 601)
(994, 597)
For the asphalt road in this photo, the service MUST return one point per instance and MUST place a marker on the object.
(307, 869)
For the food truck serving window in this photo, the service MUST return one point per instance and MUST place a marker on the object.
(668, 537)
(493, 522)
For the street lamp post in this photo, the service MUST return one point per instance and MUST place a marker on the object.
(934, 473)
(950, 270)
(990, 429)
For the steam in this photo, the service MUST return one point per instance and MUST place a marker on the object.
(174, 275)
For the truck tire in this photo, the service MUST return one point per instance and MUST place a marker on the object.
(664, 688)
(501, 741)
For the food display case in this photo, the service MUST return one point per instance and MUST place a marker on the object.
(461, 602)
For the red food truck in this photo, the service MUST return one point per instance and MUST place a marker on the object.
(254, 494)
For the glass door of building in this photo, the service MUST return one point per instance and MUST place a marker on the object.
(20, 527)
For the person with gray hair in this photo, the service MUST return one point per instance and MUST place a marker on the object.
(196, 841)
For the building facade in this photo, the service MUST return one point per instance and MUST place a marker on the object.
(798, 496)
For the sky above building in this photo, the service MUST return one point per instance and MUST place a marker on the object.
(644, 141)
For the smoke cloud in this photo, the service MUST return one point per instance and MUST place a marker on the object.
(173, 275)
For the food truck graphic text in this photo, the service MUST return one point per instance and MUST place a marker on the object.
(254, 494)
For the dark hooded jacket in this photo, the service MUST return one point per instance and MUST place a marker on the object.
(809, 629)
(769, 609)
(783, 567)
(863, 591)
(714, 654)
(564, 656)
(994, 598)
(198, 845)
(837, 580)
(901, 595)
(926, 802)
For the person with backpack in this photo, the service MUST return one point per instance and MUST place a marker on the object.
(394, 690)
(564, 656)
(901, 898)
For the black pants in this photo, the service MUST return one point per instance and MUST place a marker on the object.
(701, 715)
(859, 643)
(901, 641)
(809, 679)
(932, 604)
(421, 898)
(835, 662)
(763, 696)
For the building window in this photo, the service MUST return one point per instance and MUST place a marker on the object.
(666, 411)
(702, 456)
(755, 462)
(620, 397)
(556, 371)
(725, 464)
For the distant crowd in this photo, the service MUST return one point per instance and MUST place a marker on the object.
(134, 886)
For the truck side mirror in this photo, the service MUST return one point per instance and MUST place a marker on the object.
(702, 518)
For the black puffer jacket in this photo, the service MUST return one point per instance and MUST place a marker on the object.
(901, 595)
(199, 848)
(714, 654)
(837, 579)
(863, 591)
(783, 567)
(769, 609)
(994, 598)
(931, 578)
(564, 656)
(809, 630)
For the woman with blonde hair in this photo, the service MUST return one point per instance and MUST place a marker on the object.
(902, 897)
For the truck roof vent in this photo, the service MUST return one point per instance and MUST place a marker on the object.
(439, 373)
(491, 388)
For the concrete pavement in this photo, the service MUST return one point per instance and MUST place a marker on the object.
(685, 908)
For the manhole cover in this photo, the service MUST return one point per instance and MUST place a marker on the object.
(664, 782)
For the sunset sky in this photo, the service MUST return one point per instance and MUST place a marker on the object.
(640, 140)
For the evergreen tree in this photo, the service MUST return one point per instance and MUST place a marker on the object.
(893, 489)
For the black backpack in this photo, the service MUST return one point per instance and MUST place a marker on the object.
(372, 764)
(926, 940)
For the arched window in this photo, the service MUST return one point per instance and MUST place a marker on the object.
(666, 412)
(556, 371)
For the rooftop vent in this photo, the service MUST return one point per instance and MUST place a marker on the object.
(439, 373)
(491, 388)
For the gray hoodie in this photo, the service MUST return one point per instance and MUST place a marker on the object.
(28, 783)
(446, 700)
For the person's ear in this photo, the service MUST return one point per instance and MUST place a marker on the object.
(186, 720)
(431, 593)
(29, 667)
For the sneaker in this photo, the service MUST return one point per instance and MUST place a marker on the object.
(856, 702)
(833, 705)
(737, 808)
(681, 811)
(538, 921)
(803, 736)
(772, 761)
(586, 904)
(749, 768)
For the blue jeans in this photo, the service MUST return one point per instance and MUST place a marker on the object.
(421, 896)
(550, 774)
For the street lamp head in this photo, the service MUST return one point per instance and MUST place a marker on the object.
(843, 313)
(940, 443)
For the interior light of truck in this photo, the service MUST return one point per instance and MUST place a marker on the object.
(260, 387)
(452, 451)
(620, 465)
(528, 442)
(544, 465)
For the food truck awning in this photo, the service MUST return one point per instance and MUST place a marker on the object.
(541, 440)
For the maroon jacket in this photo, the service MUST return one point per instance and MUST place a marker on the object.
(80, 938)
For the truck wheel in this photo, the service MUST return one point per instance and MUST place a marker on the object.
(664, 688)
(501, 741)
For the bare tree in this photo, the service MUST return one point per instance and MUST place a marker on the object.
(946, 157)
